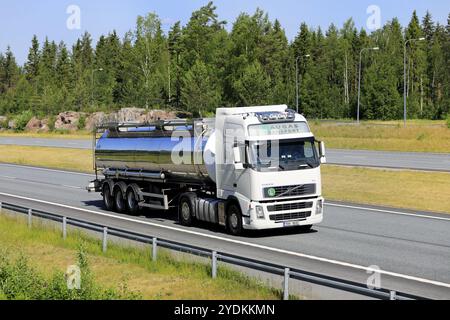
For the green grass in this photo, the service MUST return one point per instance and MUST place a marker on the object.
(418, 136)
(428, 191)
(130, 267)
(58, 134)
(59, 158)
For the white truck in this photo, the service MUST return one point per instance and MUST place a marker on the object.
(249, 168)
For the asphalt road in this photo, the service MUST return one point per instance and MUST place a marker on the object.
(381, 159)
(411, 248)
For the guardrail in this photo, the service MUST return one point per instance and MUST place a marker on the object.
(215, 256)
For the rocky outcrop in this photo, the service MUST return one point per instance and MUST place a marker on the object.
(68, 120)
(36, 125)
(96, 119)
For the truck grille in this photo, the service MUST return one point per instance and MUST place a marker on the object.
(290, 206)
(290, 216)
(300, 190)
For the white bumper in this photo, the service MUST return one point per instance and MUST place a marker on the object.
(281, 217)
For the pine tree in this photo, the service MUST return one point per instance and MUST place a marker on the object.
(199, 94)
(32, 64)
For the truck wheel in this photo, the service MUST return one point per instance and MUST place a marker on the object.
(234, 220)
(108, 199)
(119, 200)
(132, 202)
(185, 211)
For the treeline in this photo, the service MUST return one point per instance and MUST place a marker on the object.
(201, 66)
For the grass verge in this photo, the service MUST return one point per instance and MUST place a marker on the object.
(403, 189)
(428, 191)
(126, 267)
(58, 158)
(372, 136)
(79, 135)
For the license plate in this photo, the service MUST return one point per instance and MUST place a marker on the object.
(291, 224)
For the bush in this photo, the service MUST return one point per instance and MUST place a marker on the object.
(448, 121)
(20, 281)
(22, 120)
(82, 122)
(4, 125)
(51, 123)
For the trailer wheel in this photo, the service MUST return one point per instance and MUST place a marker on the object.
(108, 199)
(119, 200)
(234, 219)
(132, 202)
(185, 211)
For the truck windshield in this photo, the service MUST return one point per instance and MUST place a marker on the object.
(284, 155)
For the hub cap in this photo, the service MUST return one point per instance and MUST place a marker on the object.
(185, 211)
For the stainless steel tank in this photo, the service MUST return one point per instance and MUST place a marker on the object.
(177, 154)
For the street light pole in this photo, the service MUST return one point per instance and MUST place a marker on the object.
(359, 80)
(404, 78)
(297, 79)
(92, 84)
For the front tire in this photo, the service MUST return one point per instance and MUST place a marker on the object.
(185, 212)
(234, 220)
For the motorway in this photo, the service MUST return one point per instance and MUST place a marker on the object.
(411, 248)
(376, 159)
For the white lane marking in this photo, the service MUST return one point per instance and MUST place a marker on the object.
(388, 211)
(47, 170)
(297, 254)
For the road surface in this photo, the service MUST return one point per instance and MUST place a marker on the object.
(412, 248)
(381, 159)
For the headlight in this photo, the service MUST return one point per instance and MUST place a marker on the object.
(319, 207)
(259, 212)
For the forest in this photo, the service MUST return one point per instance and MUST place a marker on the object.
(205, 64)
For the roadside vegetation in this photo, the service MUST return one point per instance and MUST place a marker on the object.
(33, 263)
(427, 191)
(57, 158)
(418, 136)
(56, 134)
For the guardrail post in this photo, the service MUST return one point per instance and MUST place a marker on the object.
(393, 295)
(214, 264)
(105, 239)
(286, 284)
(0, 205)
(154, 249)
(64, 228)
(30, 217)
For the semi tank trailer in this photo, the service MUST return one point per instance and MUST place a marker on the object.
(249, 168)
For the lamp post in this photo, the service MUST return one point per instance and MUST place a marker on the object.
(359, 81)
(404, 77)
(297, 78)
(92, 79)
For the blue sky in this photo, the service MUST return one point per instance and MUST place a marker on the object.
(20, 19)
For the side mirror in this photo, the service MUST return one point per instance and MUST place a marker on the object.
(237, 159)
(322, 152)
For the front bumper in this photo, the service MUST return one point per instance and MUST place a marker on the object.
(280, 218)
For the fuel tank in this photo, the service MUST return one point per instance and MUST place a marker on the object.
(178, 154)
